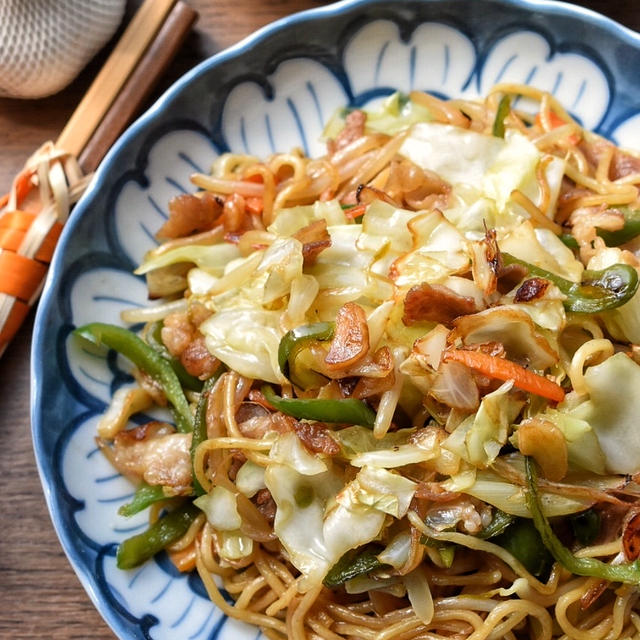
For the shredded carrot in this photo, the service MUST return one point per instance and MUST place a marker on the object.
(185, 559)
(254, 204)
(355, 211)
(501, 369)
(556, 121)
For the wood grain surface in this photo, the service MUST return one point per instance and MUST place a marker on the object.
(40, 596)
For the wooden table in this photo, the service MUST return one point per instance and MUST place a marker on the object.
(40, 597)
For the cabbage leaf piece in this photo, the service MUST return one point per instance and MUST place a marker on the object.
(479, 438)
(583, 447)
(247, 341)
(510, 498)
(318, 519)
(612, 410)
(393, 115)
(483, 171)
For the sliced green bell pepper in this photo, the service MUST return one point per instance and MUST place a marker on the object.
(628, 573)
(200, 425)
(145, 358)
(352, 564)
(629, 231)
(342, 410)
(504, 106)
(145, 496)
(599, 290)
(293, 343)
(138, 549)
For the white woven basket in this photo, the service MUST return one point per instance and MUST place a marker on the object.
(44, 44)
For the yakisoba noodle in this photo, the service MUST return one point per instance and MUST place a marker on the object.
(419, 366)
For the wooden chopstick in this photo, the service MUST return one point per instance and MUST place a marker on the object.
(109, 81)
(139, 84)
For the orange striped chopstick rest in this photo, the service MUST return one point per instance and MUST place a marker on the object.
(27, 238)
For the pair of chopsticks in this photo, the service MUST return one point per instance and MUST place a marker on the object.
(146, 48)
(33, 212)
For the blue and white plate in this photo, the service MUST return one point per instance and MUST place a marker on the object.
(271, 92)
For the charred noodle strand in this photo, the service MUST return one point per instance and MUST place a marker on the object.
(322, 630)
(556, 136)
(283, 601)
(269, 194)
(375, 164)
(537, 217)
(604, 164)
(515, 607)
(268, 574)
(227, 187)
(471, 542)
(561, 614)
(622, 191)
(257, 619)
(440, 110)
(262, 603)
(279, 570)
(296, 622)
(249, 591)
(536, 94)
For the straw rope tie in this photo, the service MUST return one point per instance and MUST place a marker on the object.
(31, 218)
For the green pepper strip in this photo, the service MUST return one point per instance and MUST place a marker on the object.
(144, 357)
(342, 410)
(599, 290)
(523, 541)
(628, 573)
(200, 425)
(569, 241)
(446, 550)
(498, 524)
(629, 231)
(154, 340)
(504, 106)
(145, 495)
(351, 565)
(586, 526)
(138, 549)
(296, 340)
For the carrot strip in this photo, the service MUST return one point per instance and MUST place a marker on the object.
(355, 211)
(185, 559)
(505, 370)
(254, 205)
(556, 121)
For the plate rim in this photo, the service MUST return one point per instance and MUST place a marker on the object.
(47, 300)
